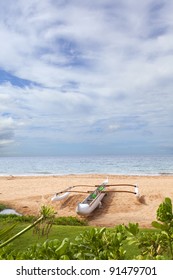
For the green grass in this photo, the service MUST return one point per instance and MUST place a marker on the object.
(57, 232)
(63, 227)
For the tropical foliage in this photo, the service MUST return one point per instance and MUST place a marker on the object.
(103, 244)
(46, 213)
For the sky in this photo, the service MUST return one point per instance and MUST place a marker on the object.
(86, 77)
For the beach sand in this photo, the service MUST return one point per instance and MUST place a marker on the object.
(27, 194)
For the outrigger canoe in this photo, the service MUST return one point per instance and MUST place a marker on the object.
(93, 200)
(90, 203)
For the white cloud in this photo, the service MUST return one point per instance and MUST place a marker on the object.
(86, 62)
(6, 123)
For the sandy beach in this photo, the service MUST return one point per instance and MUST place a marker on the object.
(27, 194)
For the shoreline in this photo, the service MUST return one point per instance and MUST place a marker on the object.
(13, 176)
(33, 174)
(26, 194)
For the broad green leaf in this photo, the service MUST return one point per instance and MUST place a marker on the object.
(61, 250)
(133, 228)
(158, 225)
(164, 212)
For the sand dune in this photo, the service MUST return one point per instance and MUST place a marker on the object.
(27, 194)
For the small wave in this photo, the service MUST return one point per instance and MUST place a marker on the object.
(44, 172)
(40, 172)
(166, 173)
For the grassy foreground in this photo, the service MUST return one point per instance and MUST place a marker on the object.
(57, 232)
(69, 238)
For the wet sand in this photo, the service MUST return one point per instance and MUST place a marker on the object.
(27, 194)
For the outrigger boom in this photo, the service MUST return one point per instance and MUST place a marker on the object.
(93, 200)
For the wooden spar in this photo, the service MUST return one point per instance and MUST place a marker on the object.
(90, 186)
(101, 191)
(80, 191)
(94, 186)
(136, 191)
(65, 190)
(119, 191)
(69, 188)
(119, 185)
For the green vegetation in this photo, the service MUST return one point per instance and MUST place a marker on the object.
(2, 207)
(61, 227)
(70, 221)
(89, 243)
(46, 214)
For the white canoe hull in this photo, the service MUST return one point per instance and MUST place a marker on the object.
(86, 209)
(60, 197)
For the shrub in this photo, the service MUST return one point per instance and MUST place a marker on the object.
(70, 221)
(2, 207)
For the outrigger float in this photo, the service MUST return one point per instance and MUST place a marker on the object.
(93, 200)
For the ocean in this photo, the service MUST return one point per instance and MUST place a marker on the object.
(63, 165)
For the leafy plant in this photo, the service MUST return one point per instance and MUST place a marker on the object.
(150, 244)
(5, 232)
(159, 244)
(165, 223)
(46, 212)
(100, 244)
(49, 250)
(44, 226)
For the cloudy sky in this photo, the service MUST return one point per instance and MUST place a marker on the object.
(86, 77)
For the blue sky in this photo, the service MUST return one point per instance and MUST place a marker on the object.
(86, 77)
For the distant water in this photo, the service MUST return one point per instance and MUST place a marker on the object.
(122, 165)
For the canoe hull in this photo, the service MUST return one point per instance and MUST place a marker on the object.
(85, 209)
(60, 197)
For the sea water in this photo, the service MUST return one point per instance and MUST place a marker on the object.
(120, 165)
